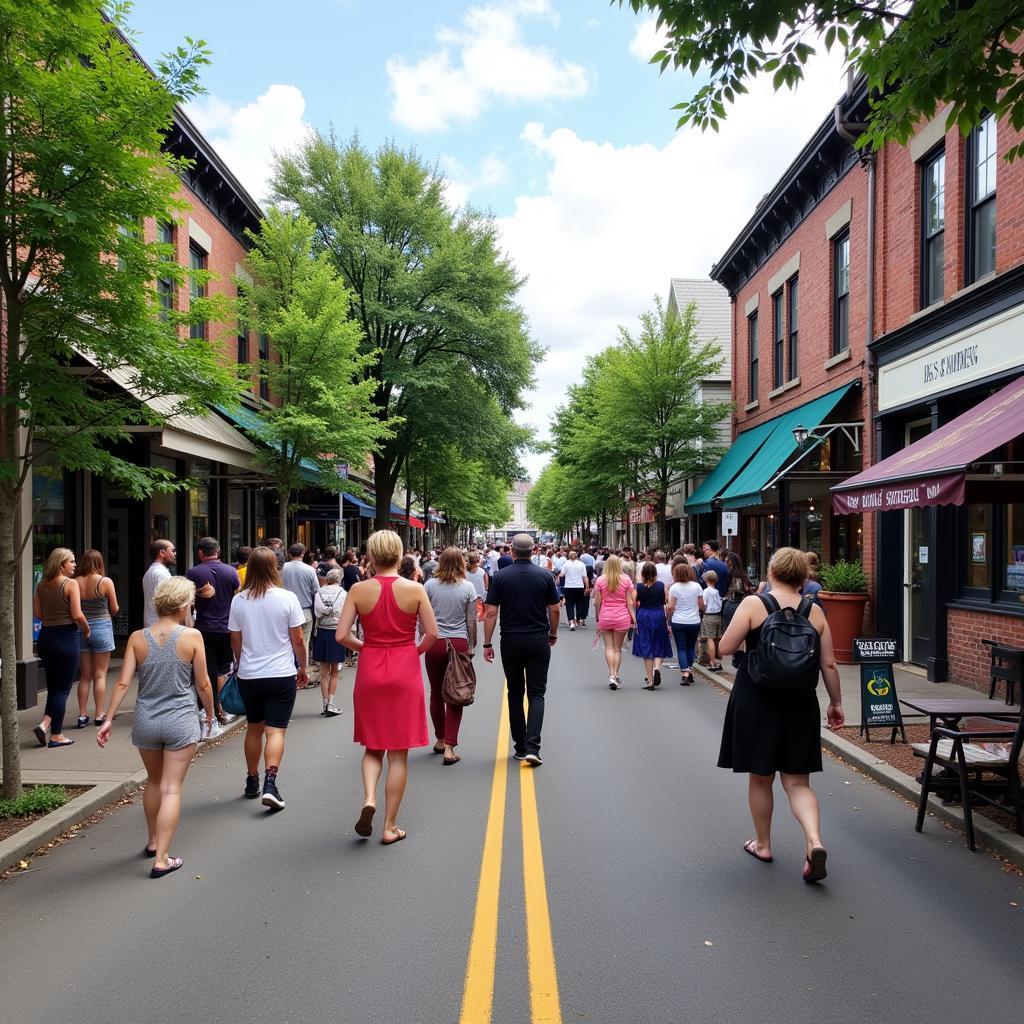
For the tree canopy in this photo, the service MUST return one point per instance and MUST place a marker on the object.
(434, 296)
(917, 56)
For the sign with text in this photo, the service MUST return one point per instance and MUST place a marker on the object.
(730, 524)
(641, 514)
(879, 703)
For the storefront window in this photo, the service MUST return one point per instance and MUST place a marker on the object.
(236, 507)
(48, 526)
(979, 539)
(1015, 547)
(163, 523)
(199, 504)
(848, 540)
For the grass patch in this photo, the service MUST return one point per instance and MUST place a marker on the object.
(37, 800)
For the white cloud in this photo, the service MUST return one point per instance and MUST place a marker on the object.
(461, 181)
(616, 223)
(648, 40)
(246, 136)
(485, 60)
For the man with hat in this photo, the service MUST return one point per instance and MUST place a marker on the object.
(528, 600)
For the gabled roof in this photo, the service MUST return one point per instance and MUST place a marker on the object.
(714, 314)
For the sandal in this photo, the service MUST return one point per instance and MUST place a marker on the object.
(59, 743)
(435, 749)
(400, 834)
(173, 863)
(364, 826)
(751, 847)
(40, 734)
(814, 865)
(451, 760)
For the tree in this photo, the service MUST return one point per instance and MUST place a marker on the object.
(916, 56)
(649, 409)
(432, 292)
(82, 121)
(298, 300)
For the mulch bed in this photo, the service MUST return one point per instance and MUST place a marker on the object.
(11, 826)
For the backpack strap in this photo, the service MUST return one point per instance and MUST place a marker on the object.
(804, 607)
(770, 604)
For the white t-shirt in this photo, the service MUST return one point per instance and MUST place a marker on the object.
(575, 573)
(264, 623)
(558, 561)
(712, 601)
(687, 610)
(155, 575)
(664, 571)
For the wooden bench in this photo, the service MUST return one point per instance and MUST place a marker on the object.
(982, 765)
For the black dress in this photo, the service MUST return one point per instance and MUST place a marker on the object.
(764, 733)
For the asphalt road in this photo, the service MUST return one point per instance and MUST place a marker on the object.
(642, 906)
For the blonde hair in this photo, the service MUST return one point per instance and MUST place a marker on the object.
(789, 567)
(710, 576)
(613, 572)
(385, 548)
(174, 594)
(450, 566)
(55, 562)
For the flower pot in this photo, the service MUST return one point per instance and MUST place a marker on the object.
(845, 613)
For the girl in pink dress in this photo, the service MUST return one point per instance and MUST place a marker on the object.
(614, 595)
(388, 704)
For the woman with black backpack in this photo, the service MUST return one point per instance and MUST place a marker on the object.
(772, 722)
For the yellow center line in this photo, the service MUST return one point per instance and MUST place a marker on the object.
(478, 991)
(545, 1005)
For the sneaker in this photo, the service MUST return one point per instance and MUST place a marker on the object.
(271, 796)
(533, 760)
(613, 683)
(252, 787)
(519, 757)
(83, 721)
(331, 710)
(225, 718)
(572, 627)
(323, 714)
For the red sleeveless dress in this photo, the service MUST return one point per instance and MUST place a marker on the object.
(388, 703)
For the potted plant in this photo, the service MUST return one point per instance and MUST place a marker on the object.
(843, 595)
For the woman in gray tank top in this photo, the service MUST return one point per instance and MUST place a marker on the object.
(166, 729)
(99, 605)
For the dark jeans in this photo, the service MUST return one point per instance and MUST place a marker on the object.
(445, 718)
(686, 641)
(58, 648)
(525, 660)
(575, 607)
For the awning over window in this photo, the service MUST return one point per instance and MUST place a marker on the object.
(364, 510)
(731, 464)
(747, 487)
(252, 424)
(932, 471)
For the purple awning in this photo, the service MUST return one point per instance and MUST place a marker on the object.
(932, 471)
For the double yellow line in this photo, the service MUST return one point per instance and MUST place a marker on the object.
(478, 991)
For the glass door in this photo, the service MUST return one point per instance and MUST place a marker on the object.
(918, 642)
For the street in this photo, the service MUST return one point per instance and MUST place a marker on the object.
(656, 913)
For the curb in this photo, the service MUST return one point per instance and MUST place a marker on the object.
(988, 833)
(75, 811)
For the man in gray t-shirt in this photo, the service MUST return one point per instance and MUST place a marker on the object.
(163, 554)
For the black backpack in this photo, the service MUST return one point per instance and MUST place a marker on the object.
(786, 659)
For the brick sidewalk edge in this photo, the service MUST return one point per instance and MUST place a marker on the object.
(75, 811)
(999, 840)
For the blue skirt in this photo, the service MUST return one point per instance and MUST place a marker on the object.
(326, 648)
(652, 638)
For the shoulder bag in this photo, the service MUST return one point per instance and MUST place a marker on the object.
(459, 686)
(230, 698)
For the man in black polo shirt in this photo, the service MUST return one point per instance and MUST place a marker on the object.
(528, 600)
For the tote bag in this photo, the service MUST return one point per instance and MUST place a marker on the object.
(231, 698)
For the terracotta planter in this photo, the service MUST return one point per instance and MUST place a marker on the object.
(845, 614)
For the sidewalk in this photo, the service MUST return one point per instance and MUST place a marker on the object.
(1002, 841)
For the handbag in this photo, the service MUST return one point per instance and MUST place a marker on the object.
(459, 686)
(230, 697)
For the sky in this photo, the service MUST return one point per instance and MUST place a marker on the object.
(544, 113)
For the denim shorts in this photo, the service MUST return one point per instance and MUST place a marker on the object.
(101, 637)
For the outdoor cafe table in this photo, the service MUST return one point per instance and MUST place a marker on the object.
(950, 710)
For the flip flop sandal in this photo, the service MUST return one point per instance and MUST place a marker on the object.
(364, 826)
(173, 863)
(814, 866)
(147, 852)
(437, 750)
(398, 838)
(751, 847)
(451, 760)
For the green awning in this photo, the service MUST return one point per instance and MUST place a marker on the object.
(746, 488)
(252, 424)
(730, 465)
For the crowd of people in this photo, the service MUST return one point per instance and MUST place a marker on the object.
(262, 621)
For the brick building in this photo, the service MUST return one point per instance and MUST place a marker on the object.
(878, 307)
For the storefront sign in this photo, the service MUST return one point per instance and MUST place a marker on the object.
(641, 514)
(980, 351)
(730, 524)
(947, 490)
(879, 704)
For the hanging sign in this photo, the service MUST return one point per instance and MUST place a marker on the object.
(879, 703)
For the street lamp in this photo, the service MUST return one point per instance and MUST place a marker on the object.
(800, 434)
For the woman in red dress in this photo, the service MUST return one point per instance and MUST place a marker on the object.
(389, 708)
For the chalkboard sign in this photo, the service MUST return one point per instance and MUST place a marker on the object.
(879, 703)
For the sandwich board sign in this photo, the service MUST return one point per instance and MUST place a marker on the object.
(879, 702)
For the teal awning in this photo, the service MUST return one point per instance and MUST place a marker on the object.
(252, 424)
(779, 445)
(732, 462)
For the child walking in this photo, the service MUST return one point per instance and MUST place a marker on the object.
(711, 624)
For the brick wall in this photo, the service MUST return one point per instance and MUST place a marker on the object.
(968, 659)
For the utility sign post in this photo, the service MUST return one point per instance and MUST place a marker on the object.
(879, 703)
(730, 525)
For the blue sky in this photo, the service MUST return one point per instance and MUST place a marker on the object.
(543, 112)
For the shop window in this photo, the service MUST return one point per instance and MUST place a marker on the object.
(979, 540)
(753, 357)
(243, 346)
(792, 299)
(48, 522)
(165, 285)
(1013, 580)
(981, 168)
(778, 342)
(197, 289)
(264, 351)
(841, 294)
(847, 538)
(933, 228)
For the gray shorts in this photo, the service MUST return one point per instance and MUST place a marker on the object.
(167, 729)
(711, 626)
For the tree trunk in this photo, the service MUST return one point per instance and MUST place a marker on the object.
(407, 529)
(283, 502)
(8, 625)
(384, 482)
